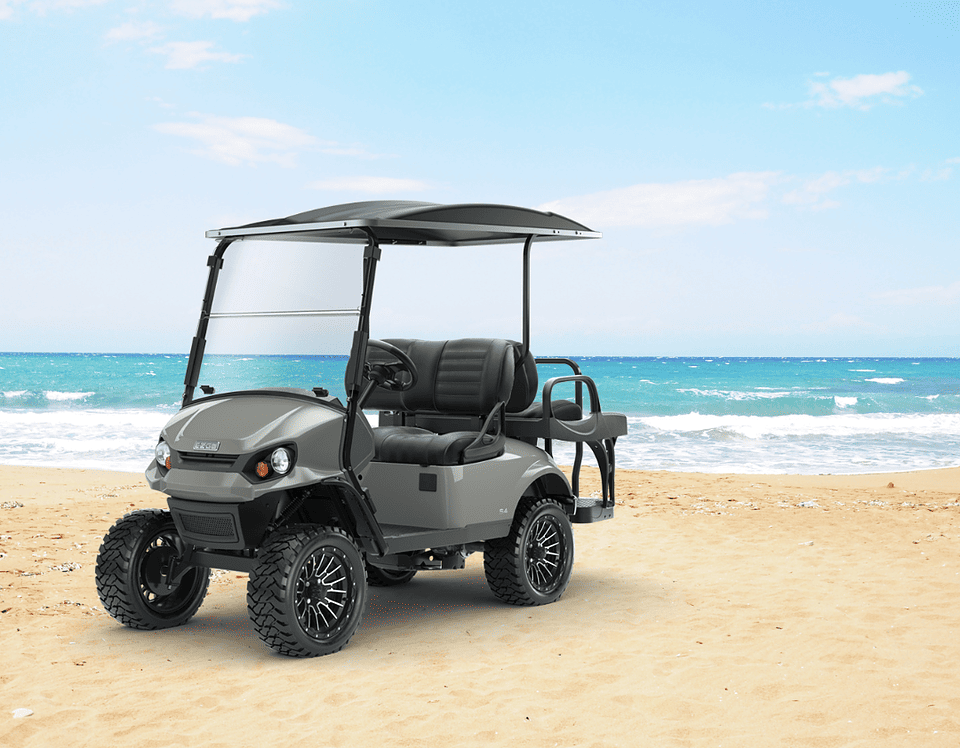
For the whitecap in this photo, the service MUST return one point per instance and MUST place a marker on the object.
(844, 402)
(60, 396)
(885, 380)
(839, 425)
(736, 395)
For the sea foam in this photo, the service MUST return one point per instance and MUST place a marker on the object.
(66, 396)
(104, 439)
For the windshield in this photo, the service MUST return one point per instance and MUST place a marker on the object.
(283, 315)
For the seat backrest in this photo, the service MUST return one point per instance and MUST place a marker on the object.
(466, 376)
(524, 380)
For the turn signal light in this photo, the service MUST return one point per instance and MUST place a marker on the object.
(263, 469)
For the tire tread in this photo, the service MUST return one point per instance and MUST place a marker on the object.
(502, 558)
(266, 585)
(114, 568)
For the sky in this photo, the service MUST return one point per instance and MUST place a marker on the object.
(771, 179)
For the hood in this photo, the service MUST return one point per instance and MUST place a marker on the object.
(244, 423)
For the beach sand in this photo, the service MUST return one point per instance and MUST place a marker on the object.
(733, 610)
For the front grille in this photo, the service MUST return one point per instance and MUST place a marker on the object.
(208, 457)
(219, 526)
(217, 463)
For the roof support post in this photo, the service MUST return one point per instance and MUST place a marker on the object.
(363, 510)
(526, 293)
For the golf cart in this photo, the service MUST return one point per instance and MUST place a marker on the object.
(267, 472)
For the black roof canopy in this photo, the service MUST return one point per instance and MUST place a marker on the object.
(409, 222)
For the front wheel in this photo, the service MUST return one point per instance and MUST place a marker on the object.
(131, 566)
(532, 565)
(306, 596)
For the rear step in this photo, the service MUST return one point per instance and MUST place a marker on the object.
(592, 509)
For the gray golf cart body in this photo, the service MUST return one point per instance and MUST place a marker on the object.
(396, 511)
(297, 487)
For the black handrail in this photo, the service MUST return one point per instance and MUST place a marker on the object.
(578, 398)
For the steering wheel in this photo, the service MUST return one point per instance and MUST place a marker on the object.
(387, 375)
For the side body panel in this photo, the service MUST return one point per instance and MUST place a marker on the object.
(448, 497)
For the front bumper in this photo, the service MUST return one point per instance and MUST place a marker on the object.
(224, 526)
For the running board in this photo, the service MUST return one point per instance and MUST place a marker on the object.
(403, 538)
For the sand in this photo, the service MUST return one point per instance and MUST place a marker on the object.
(714, 610)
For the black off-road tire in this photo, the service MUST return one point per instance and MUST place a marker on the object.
(378, 577)
(127, 573)
(307, 593)
(532, 565)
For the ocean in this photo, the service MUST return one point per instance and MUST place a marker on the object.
(715, 415)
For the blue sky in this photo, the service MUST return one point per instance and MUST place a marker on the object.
(770, 178)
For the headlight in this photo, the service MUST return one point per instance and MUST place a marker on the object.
(273, 464)
(280, 461)
(163, 455)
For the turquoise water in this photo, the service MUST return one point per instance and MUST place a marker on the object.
(754, 415)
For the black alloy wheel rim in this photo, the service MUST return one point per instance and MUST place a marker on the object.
(160, 551)
(545, 555)
(323, 592)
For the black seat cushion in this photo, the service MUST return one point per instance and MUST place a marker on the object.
(408, 444)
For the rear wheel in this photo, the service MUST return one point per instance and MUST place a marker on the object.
(532, 565)
(131, 563)
(306, 596)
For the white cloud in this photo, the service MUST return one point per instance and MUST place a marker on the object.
(160, 102)
(242, 140)
(941, 295)
(936, 175)
(863, 91)
(372, 185)
(234, 10)
(133, 31)
(42, 7)
(694, 202)
(859, 92)
(811, 194)
(338, 150)
(184, 55)
(6, 8)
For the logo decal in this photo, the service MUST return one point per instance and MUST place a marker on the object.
(206, 446)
